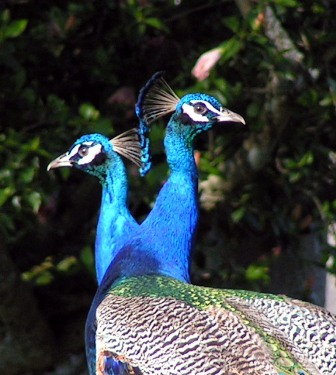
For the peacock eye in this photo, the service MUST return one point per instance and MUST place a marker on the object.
(200, 108)
(83, 151)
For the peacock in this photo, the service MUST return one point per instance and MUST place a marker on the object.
(150, 318)
(99, 156)
(177, 198)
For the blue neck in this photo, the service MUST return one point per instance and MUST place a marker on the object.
(115, 222)
(180, 151)
(163, 243)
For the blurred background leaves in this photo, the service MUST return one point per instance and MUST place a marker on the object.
(267, 194)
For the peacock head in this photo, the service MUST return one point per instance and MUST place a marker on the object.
(95, 153)
(196, 113)
(192, 114)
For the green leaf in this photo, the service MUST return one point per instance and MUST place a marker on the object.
(5, 16)
(155, 23)
(319, 8)
(41, 274)
(15, 28)
(238, 214)
(6, 193)
(89, 112)
(230, 48)
(287, 3)
(307, 159)
(44, 278)
(66, 264)
(295, 177)
(86, 257)
(326, 101)
(35, 144)
(256, 272)
(232, 23)
(27, 175)
(34, 199)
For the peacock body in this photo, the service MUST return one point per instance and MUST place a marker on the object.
(166, 327)
(147, 316)
(164, 241)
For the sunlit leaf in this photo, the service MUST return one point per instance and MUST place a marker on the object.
(88, 111)
(230, 48)
(238, 214)
(15, 28)
(295, 177)
(155, 23)
(44, 278)
(27, 174)
(307, 159)
(6, 193)
(256, 272)
(66, 264)
(35, 200)
(35, 143)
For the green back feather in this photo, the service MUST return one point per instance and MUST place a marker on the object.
(235, 312)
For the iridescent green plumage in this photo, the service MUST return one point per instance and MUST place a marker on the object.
(164, 326)
(161, 326)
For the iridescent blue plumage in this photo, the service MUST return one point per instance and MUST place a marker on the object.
(161, 325)
(149, 318)
(97, 155)
(167, 234)
(144, 128)
(163, 243)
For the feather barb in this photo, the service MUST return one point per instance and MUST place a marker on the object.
(127, 144)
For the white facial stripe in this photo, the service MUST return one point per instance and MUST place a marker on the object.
(74, 151)
(93, 152)
(189, 110)
(208, 105)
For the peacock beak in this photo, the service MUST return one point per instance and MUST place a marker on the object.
(227, 115)
(61, 161)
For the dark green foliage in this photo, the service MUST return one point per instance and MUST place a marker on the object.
(262, 189)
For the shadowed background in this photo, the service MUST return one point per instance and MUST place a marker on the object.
(267, 194)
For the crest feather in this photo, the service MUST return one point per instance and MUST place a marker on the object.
(127, 144)
(155, 100)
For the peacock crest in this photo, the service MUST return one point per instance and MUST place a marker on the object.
(155, 100)
(127, 144)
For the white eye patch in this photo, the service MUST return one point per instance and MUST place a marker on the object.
(207, 104)
(93, 151)
(197, 117)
